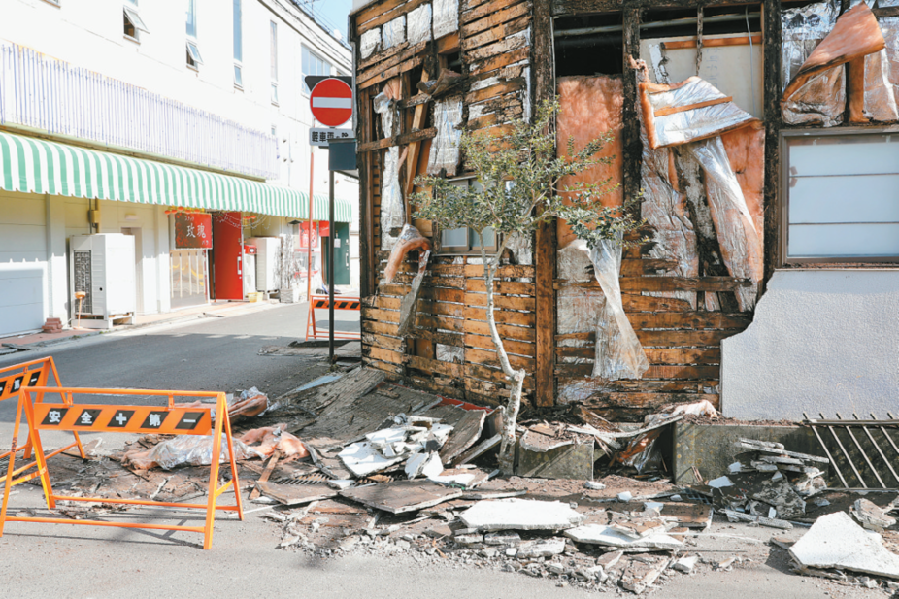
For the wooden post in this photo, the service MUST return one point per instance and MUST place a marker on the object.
(545, 246)
(632, 145)
(772, 31)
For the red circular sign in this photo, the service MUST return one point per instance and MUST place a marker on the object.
(332, 102)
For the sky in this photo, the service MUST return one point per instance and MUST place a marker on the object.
(334, 12)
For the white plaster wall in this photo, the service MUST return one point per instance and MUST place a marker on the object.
(24, 279)
(821, 341)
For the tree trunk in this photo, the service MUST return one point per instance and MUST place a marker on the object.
(516, 377)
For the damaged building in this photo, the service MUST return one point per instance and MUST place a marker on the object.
(760, 139)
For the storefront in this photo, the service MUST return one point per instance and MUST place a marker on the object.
(50, 192)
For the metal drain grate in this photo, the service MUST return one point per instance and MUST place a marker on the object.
(864, 453)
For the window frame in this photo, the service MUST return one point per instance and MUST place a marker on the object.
(304, 49)
(784, 201)
(469, 249)
(131, 12)
(237, 41)
(192, 46)
(273, 60)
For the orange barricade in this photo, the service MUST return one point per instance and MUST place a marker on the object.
(351, 304)
(167, 420)
(31, 374)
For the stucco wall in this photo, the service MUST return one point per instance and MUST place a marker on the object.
(821, 341)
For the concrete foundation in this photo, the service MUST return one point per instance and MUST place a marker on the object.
(710, 447)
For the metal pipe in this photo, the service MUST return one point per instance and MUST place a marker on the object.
(651, 25)
(331, 233)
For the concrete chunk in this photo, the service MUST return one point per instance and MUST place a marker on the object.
(600, 534)
(686, 564)
(835, 541)
(521, 514)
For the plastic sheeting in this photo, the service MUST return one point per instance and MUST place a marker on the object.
(449, 353)
(370, 42)
(882, 74)
(418, 25)
(195, 451)
(446, 17)
(395, 32)
(619, 354)
(740, 243)
(522, 248)
(444, 152)
(691, 124)
(393, 211)
(803, 30)
(590, 107)
(410, 239)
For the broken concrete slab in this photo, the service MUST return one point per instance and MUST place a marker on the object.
(479, 449)
(402, 496)
(781, 495)
(503, 537)
(521, 514)
(640, 575)
(600, 534)
(466, 433)
(425, 464)
(836, 541)
(686, 564)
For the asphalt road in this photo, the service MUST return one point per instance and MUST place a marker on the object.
(66, 561)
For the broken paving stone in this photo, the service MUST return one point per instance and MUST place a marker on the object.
(761, 520)
(594, 573)
(638, 529)
(608, 560)
(870, 516)
(540, 548)
(599, 534)
(836, 541)
(639, 574)
(594, 485)
(363, 459)
(520, 514)
(502, 538)
(402, 496)
(719, 482)
(686, 564)
(727, 563)
(625, 496)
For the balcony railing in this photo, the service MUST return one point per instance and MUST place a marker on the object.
(41, 92)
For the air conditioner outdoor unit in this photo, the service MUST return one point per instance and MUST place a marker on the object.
(102, 266)
(267, 267)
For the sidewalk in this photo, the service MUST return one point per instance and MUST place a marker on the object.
(213, 309)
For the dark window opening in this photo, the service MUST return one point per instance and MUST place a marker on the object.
(588, 45)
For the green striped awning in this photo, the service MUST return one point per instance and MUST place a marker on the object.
(38, 166)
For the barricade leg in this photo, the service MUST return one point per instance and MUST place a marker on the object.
(38, 449)
(7, 487)
(221, 408)
(235, 482)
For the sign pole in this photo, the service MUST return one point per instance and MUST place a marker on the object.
(309, 227)
(331, 234)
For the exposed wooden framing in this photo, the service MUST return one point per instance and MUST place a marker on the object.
(545, 239)
(773, 34)
(495, 17)
(632, 146)
(714, 42)
(384, 75)
(654, 283)
(398, 140)
(678, 109)
(389, 10)
(448, 43)
(418, 121)
(570, 8)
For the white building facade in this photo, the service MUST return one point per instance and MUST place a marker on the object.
(130, 117)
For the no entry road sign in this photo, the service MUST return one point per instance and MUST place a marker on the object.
(332, 102)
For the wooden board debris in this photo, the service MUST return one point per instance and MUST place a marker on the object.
(402, 496)
(466, 433)
(296, 494)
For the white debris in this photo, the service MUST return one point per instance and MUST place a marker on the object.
(735, 468)
(600, 534)
(686, 564)
(625, 496)
(362, 459)
(777, 476)
(540, 548)
(502, 538)
(520, 514)
(425, 464)
(871, 516)
(653, 506)
(836, 541)
(676, 498)
(772, 513)
(721, 482)
(594, 485)
(340, 484)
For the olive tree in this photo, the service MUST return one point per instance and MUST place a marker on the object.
(518, 175)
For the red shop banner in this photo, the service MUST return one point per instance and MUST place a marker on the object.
(304, 235)
(193, 231)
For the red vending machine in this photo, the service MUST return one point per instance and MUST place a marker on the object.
(228, 260)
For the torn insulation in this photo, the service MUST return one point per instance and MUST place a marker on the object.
(446, 17)
(395, 32)
(407, 304)
(445, 147)
(392, 209)
(370, 42)
(418, 25)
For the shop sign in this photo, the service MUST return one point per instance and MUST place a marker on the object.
(304, 235)
(193, 231)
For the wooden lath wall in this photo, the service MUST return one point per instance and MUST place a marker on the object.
(494, 45)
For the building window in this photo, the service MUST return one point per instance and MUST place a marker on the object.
(313, 65)
(842, 197)
(238, 44)
(194, 58)
(133, 23)
(274, 60)
(465, 239)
